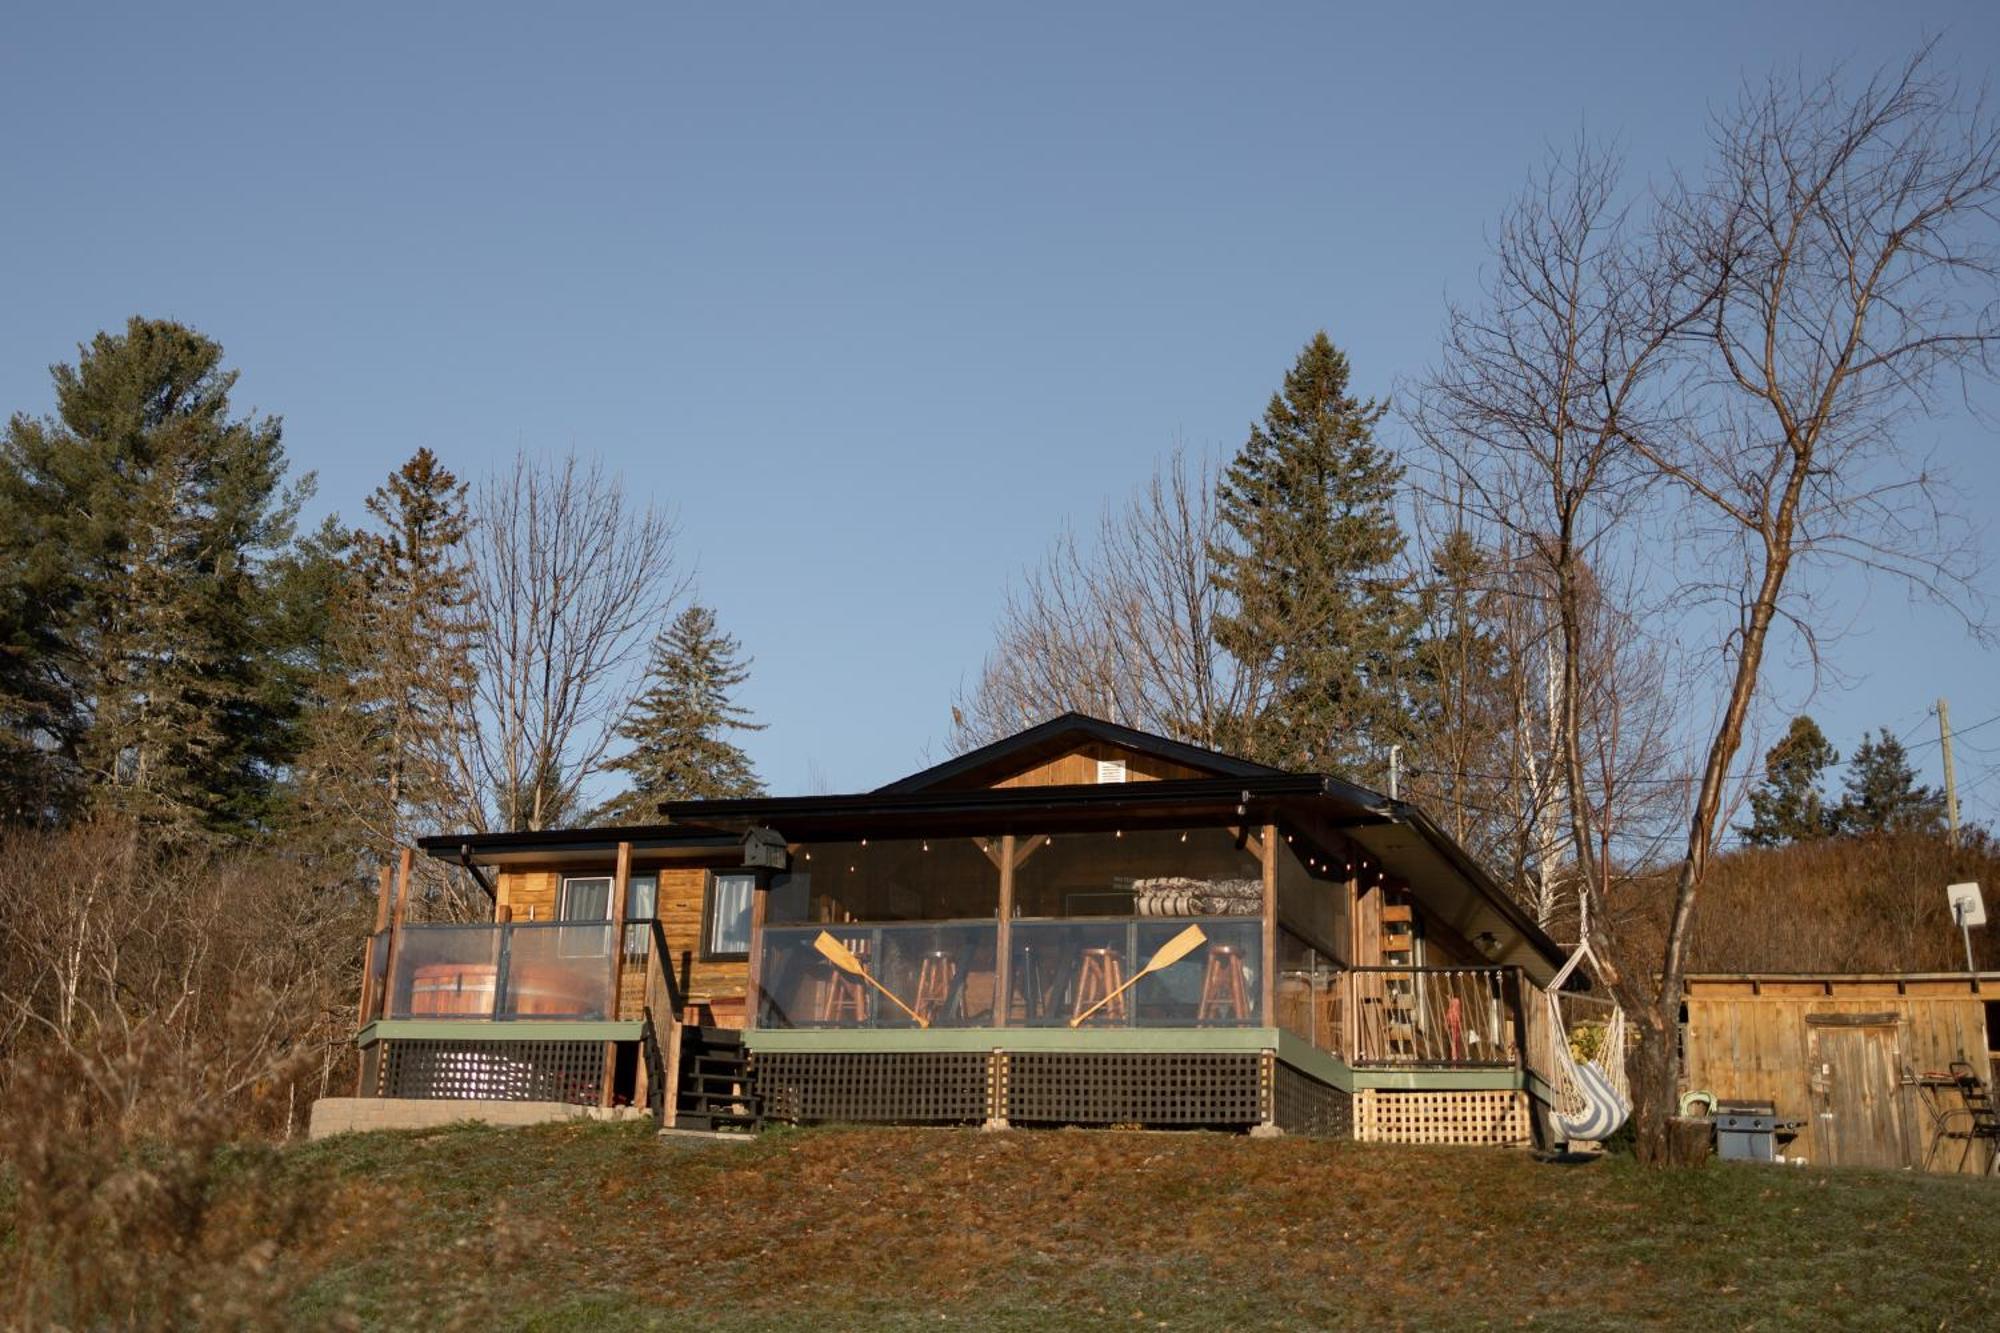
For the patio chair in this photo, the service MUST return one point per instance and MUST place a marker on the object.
(1977, 1121)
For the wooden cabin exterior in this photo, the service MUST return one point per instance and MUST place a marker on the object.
(1860, 1060)
(1355, 972)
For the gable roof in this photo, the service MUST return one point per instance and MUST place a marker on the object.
(1059, 735)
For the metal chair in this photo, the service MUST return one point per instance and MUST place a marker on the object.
(1977, 1121)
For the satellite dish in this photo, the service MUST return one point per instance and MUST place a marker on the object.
(1967, 907)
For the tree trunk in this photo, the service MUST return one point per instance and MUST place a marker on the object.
(1654, 1094)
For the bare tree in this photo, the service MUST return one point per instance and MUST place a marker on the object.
(1725, 382)
(1841, 251)
(226, 958)
(1121, 626)
(570, 581)
(1530, 419)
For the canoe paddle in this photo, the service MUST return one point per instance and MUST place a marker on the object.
(1175, 949)
(843, 958)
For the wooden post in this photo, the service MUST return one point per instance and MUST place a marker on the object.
(1003, 937)
(621, 883)
(753, 998)
(1269, 981)
(399, 905)
(1350, 997)
(621, 880)
(367, 1011)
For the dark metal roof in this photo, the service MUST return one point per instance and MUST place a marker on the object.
(786, 811)
(1048, 736)
(644, 837)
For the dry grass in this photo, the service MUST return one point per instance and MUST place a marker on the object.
(604, 1227)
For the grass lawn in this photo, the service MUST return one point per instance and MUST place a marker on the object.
(591, 1227)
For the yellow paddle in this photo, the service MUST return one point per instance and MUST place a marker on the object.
(843, 958)
(1175, 949)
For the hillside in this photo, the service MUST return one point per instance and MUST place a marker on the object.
(605, 1227)
(1846, 904)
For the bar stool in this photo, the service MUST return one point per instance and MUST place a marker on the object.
(1027, 983)
(844, 998)
(934, 978)
(1102, 973)
(1223, 987)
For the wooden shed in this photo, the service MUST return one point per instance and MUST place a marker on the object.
(1854, 1056)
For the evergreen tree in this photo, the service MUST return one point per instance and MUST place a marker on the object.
(141, 521)
(680, 726)
(397, 696)
(1790, 805)
(1882, 794)
(1317, 605)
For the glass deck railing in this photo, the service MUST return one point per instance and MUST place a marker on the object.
(941, 971)
(945, 974)
(519, 970)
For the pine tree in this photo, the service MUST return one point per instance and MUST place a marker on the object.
(1789, 805)
(1309, 568)
(142, 520)
(1882, 795)
(398, 693)
(680, 726)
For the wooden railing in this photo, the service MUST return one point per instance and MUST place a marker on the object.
(663, 1028)
(1407, 1017)
(1453, 1017)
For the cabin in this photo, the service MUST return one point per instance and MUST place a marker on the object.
(1860, 1065)
(1081, 924)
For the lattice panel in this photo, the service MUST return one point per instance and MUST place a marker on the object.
(1484, 1119)
(1196, 1088)
(1307, 1106)
(511, 1071)
(900, 1087)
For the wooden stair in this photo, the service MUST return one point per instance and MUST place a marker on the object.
(717, 1085)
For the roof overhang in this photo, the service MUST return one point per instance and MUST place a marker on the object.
(580, 848)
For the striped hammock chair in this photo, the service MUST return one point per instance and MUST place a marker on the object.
(1589, 1099)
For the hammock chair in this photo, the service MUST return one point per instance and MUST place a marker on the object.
(1589, 1099)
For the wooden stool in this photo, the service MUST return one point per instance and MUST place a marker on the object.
(1103, 972)
(934, 980)
(845, 998)
(1223, 988)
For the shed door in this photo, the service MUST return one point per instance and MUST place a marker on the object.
(1857, 1090)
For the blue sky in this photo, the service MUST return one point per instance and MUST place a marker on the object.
(874, 297)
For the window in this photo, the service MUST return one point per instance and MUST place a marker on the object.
(642, 900)
(726, 932)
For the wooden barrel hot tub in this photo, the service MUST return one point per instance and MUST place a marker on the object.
(445, 989)
(534, 990)
(545, 990)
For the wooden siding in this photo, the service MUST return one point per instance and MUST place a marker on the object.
(719, 987)
(1079, 767)
(1757, 1047)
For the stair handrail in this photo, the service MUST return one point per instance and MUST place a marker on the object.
(663, 998)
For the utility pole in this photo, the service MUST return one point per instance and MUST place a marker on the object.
(1950, 775)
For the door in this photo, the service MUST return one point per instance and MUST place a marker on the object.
(584, 902)
(1856, 1082)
